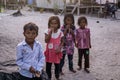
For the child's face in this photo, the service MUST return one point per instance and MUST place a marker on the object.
(68, 21)
(30, 36)
(54, 24)
(82, 23)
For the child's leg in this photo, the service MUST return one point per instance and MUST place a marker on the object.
(86, 56)
(70, 62)
(80, 54)
(57, 70)
(48, 69)
(70, 59)
(114, 14)
(62, 62)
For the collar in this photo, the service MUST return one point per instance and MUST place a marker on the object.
(24, 43)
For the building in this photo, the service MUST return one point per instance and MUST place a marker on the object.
(61, 3)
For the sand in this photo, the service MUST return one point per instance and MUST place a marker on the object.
(104, 54)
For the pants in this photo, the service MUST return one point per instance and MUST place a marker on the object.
(70, 61)
(113, 14)
(48, 70)
(84, 52)
(26, 78)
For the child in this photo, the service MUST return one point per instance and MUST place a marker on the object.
(69, 39)
(53, 48)
(30, 57)
(83, 43)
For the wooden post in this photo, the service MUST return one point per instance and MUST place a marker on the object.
(78, 9)
(5, 3)
(91, 8)
(113, 1)
(65, 6)
(100, 6)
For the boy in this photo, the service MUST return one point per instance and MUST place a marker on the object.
(30, 57)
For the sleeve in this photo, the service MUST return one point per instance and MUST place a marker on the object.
(62, 29)
(20, 61)
(62, 34)
(41, 61)
(76, 35)
(89, 34)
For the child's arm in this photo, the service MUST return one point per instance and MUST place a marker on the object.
(72, 32)
(76, 38)
(62, 42)
(19, 60)
(60, 46)
(48, 36)
(41, 59)
(32, 70)
(65, 32)
(89, 39)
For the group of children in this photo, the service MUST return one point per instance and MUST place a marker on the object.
(60, 41)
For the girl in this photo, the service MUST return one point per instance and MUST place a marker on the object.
(53, 48)
(69, 38)
(83, 43)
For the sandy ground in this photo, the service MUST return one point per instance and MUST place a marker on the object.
(104, 54)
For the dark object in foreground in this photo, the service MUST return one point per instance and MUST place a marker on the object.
(18, 13)
(9, 76)
(17, 76)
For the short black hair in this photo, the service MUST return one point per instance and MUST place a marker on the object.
(82, 18)
(31, 26)
(70, 16)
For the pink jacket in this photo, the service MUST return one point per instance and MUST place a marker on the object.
(83, 38)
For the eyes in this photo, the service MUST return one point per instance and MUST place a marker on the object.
(68, 19)
(53, 22)
(30, 32)
(33, 33)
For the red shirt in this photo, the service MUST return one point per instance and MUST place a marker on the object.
(50, 54)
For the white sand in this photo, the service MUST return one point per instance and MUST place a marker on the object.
(104, 54)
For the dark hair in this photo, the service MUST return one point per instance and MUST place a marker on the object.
(70, 16)
(54, 18)
(82, 18)
(31, 26)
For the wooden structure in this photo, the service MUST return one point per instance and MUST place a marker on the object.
(88, 6)
(3, 3)
(13, 3)
(50, 4)
(72, 6)
(79, 5)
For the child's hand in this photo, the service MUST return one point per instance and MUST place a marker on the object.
(76, 45)
(32, 70)
(58, 50)
(90, 46)
(68, 26)
(71, 31)
(52, 29)
(37, 74)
